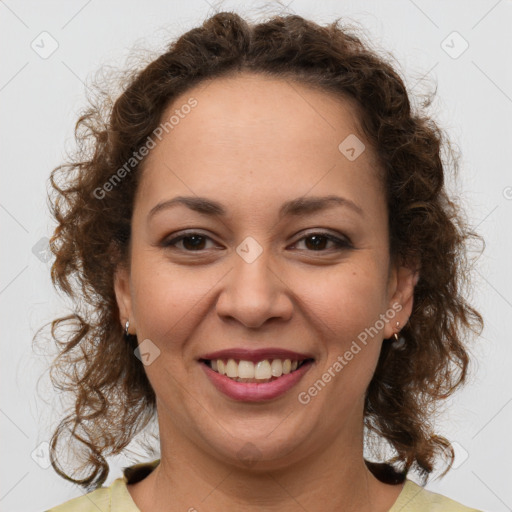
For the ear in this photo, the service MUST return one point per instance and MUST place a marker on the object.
(401, 291)
(123, 297)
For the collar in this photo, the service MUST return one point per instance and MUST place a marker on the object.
(137, 472)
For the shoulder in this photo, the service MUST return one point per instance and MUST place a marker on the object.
(415, 498)
(114, 498)
(91, 502)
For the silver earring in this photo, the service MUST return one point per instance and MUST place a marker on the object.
(126, 325)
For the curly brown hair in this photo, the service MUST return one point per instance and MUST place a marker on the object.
(113, 399)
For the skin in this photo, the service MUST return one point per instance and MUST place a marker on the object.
(253, 143)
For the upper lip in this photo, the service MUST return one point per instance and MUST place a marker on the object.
(256, 354)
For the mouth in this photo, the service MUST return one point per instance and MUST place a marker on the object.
(255, 375)
(255, 371)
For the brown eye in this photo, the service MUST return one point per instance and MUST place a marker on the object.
(191, 242)
(314, 242)
(319, 241)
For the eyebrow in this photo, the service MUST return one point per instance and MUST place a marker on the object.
(294, 207)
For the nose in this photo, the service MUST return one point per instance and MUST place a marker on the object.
(253, 293)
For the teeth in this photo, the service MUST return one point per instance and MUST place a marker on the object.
(276, 368)
(232, 368)
(245, 371)
(262, 370)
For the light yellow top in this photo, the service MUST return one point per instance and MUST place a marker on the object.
(116, 497)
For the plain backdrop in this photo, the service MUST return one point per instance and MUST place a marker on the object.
(49, 50)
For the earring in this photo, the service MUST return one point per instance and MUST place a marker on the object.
(399, 341)
(396, 333)
(126, 328)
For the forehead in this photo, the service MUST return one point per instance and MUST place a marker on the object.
(251, 132)
(249, 109)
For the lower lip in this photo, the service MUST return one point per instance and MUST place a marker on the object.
(254, 391)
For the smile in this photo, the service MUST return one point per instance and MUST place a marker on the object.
(266, 370)
(263, 386)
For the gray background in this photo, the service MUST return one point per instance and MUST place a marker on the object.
(40, 96)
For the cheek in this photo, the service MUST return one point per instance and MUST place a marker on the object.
(346, 308)
(346, 300)
(352, 344)
(169, 299)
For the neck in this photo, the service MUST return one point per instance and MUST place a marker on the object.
(331, 477)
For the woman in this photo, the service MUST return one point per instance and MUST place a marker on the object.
(271, 266)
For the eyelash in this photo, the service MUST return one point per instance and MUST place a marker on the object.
(339, 243)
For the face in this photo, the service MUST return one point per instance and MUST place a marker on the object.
(271, 265)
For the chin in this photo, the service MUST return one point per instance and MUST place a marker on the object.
(259, 452)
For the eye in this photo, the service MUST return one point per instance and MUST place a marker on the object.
(195, 242)
(192, 242)
(320, 239)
